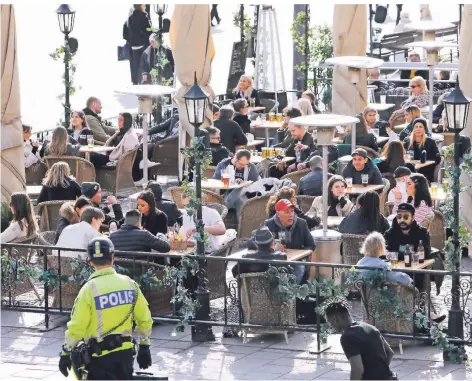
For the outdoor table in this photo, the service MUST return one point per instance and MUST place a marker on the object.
(427, 263)
(255, 109)
(292, 254)
(258, 159)
(380, 140)
(358, 189)
(418, 164)
(253, 144)
(87, 150)
(218, 184)
(33, 190)
(267, 125)
(381, 106)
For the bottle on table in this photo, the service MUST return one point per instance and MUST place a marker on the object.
(406, 255)
(420, 252)
(414, 256)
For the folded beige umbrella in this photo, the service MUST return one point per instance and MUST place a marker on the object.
(193, 51)
(349, 39)
(13, 169)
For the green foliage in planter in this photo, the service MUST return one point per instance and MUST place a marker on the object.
(7, 216)
(15, 269)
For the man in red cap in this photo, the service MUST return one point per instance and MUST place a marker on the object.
(292, 231)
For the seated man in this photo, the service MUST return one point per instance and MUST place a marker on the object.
(244, 170)
(297, 234)
(241, 109)
(362, 165)
(283, 138)
(101, 132)
(264, 241)
(93, 192)
(77, 236)
(232, 134)
(312, 183)
(174, 215)
(218, 151)
(131, 236)
(370, 117)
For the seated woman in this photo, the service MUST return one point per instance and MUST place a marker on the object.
(289, 194)
(245, 90)
(419, 196)
(411, 113)
(23, 223)
(419, 142)
(304, 106)
(30, 148)
(153, 220)
(70, 213)
(79, 129)
(59, 145)
(374, 247)
(339, 204)
(371, 122)
(366, 218)
(124, 140)
(419, 97)
(394, 157)
(308, 94)
(59, 184)
(241, 109)
(363, 138)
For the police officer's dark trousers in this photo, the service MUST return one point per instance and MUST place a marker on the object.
(113, 366)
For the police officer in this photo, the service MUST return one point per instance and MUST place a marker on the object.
(103, 317)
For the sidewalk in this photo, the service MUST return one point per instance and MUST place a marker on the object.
(29, 354)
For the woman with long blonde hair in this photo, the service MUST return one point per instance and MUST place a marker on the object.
(419, 97)
(244, 89)
(305, 106)
(59, 184)
(59, 145)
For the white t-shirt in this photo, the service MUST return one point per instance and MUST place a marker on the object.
(210, 217)
(76, 236)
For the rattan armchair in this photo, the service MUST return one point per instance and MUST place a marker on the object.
(437, 230)
(49, 212)
(252, 215)
(209, 172)
(305, 202)
(216, 271)
(35, 173)
(370, 152)
(351, 248)
(383, 197)
(119, 180)
(166, 152)
(207, 196)
(221, 209)
(65, 295)
(81, 169)
(296, 176)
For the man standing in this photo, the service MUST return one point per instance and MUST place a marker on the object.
(312, 184)
(103, 314)
(364, 346)
(214, 14)
(101, 132)
(362, 165)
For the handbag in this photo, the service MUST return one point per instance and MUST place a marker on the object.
(124, 52)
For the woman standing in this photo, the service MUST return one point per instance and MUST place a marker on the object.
(153, 219)
(339, 204)
(23, 224)
(245, 90)
(59, 145)
(139, 30)
(59, 184)
(79, 127)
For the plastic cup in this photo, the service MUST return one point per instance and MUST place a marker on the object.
(365, 179)
(383, 99)
(349, 183)
(393, 257)
(90, 142)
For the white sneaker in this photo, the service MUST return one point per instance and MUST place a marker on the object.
(150, 164)
(139, 183)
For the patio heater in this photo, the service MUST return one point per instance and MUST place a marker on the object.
(354, 65)
(328, 242)
(145, 93)
(432, 48)
(196, 102)
(457, 110)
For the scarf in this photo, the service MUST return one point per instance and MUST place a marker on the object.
(289, 232)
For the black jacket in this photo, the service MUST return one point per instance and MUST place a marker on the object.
(432, 153)
(148, 61)
(174, 215)
(254, 94)
(117, 211)
(405, 74)
(138, 25)
(306, 140)
(72, 192)
(297, 237)
(375, 177)
(354, 223)
(312, 222)
(83, 135)
(437, 112)
(132, 238)
(243, 122)
(394, 238)
(232, 134)
(218, 153)
(165, 129)
(155, 224)
(263, 253)
(366, 140)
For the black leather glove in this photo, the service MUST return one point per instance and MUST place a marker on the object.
(144, 357)
(65, 363)
(342, 202)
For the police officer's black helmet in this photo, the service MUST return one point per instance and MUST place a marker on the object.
(100, 248)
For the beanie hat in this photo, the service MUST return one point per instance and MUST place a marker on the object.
(90, 189)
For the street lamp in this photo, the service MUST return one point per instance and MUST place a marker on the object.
(66, 18)
(196, 101)
(457, 109)
(160, 9)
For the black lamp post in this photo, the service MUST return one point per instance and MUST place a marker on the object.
(457, 109)
(160, 9)
(196, 102)
(66, 18)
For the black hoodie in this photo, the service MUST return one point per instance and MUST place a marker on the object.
(394, 238)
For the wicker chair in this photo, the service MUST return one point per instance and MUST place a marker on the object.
(252, 215)
(47, 238)
(207, 196)
(437, 230)
(304, 202)
(385, 319)
(35, 173)
(158, 298)
(49, 212)
(216, 271)
(390, 178)
(209, 172)
(262, 306)
(383, 197)
(166, 152)
(351, 248)
(296, 176)
(370, 152)
(64, 296)
(437, 171)
(81, 169)
(118, 180)
(263, 168)
(221, 209)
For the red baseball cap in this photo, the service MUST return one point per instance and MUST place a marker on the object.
(283, 205)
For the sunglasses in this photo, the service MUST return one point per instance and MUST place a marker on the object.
(413, 86)
(405, 217)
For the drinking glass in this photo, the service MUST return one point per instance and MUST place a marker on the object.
(225, 179)
(90, 142)
(264, 117)
(282, 236)
(434, 189)
(407, 158)
(376, 132)
(272, 117)
(383, 99)
(252, 102)
(280, 118)
(415, 259)
(365, 179)
(349, 183)
(411, 154)
(394, 259)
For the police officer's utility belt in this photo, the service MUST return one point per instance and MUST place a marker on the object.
(109, 343)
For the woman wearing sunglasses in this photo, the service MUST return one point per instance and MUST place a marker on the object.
(419, 196)
(419, 97)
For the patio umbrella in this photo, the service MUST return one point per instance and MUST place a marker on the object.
(13, 169)
(193, 51)
(349, 39)
(465, 78)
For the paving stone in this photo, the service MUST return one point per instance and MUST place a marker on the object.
(333, 375)
(33, 373)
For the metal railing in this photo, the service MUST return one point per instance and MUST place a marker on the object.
(227, 305)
